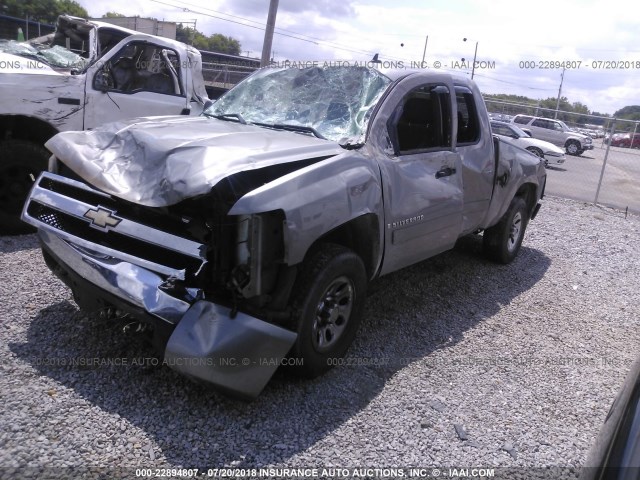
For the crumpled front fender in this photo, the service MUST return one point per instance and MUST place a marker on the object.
(318, 198)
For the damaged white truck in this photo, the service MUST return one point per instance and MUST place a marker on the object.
(249, 235)
(83, 75)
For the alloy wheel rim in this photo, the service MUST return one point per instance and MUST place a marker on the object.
(332, 314)
(514, 232)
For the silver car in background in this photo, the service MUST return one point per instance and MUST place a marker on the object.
(514, 134)
(556, 132)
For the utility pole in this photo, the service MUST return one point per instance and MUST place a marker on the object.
(268, 33)
(425, 48)
(475, 54)
(559, 92)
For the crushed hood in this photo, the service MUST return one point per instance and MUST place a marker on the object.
(160, 161)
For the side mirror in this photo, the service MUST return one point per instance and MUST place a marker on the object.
(207, 104)
(102, 81)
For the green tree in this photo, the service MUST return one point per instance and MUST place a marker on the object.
(630, 112)
(113, 15)
(503, 97)
(184, 34)
(535, 107)
(46, 11)
(191, 36)
(215, 43)
(71, 7)
(223, 44)
(550, 103)
(579, 107)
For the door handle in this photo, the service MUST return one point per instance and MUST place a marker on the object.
(445, 172)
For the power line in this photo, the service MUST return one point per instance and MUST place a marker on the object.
(279, 31)
(186, 7)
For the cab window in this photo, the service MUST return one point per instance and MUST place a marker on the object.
(467, 115)
(422, 120)
(522, 119)
(542, 123)
(502, 130)
(141, 67)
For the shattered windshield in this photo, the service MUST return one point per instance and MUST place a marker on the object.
(331, 102)
(56, 56)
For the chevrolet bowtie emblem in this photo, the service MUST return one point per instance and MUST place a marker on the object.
(102, 218)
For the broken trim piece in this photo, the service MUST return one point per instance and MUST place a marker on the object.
(207, 344)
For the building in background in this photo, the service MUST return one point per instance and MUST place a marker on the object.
(150, 26)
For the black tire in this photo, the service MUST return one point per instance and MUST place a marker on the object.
(573, 147)
(501, 243)
(20, 160)
(327, 303)
(536, 151)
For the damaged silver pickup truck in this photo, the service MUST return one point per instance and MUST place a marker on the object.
(248, 235)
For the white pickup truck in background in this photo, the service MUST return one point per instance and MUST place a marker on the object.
(85, 74)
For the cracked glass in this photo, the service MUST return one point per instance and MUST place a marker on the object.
(54, 56)
(329, 102)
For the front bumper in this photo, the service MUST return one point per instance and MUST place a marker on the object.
(554, 159)
(236, 352)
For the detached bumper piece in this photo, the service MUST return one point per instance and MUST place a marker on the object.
(239, 355)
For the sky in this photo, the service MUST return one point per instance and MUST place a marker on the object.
(520, 45)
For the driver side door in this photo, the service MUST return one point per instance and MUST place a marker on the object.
(141, 78)
(422, 187)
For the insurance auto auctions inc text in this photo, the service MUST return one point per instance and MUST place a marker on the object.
(344, 473)
(386, 64)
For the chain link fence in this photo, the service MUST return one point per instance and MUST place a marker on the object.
(225, 71)
(11, 26)
(609, 174)
(222, 71)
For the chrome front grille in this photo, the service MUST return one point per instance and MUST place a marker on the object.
(60, 205)
(47, 215)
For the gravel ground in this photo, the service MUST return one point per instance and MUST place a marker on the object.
(459, 363)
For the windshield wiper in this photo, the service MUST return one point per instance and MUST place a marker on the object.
(227, 116)
(299, 128)
(292, 128)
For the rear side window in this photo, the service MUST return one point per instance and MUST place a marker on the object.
(549, 124)
(501, 129)
(522, 119)
(468, 123)
(422, 120)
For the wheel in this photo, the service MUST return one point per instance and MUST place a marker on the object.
(20, 163)
(501, 243)
(573, 147)
(536, 151)
(327, 303)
